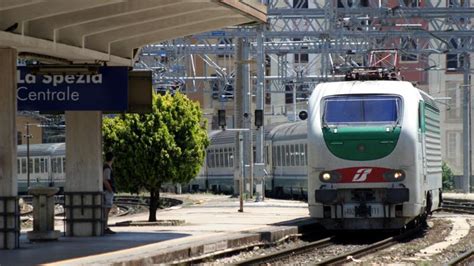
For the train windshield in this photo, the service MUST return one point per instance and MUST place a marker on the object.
(362, 109)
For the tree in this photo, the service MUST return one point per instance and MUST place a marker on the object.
(448, 176)
(166, 145)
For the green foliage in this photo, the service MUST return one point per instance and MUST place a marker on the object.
(167, 145)
(448, 177)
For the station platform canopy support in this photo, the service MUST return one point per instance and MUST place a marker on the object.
(106, 32)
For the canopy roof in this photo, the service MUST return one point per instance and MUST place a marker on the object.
(112, 30)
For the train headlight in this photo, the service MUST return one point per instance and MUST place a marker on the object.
(394, 175)
(329, 177)
(326, 176)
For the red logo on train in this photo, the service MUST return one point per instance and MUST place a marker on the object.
(362, 174)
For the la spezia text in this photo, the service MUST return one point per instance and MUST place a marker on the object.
(64, 93)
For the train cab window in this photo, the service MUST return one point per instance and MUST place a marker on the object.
(23, 165)
(287, 155)
(361, 109)
(37, 165)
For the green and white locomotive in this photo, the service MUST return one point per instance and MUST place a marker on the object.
(374, 154)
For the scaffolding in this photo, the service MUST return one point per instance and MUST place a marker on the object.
(305, 42)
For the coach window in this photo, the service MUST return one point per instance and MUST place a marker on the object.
(221, 157)
(215, 155)
(226, 157)
(30, 168)
(37, 165)
(18, 168)
(209, 158)
(64, 165)
(276, 156)
(297, 155)
(288, 155)
(42, 168)
(292, 154)
(283, 155)
(231, 157)
(23, 165)
(53, 165)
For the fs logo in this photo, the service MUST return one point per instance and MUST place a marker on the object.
(361, 174)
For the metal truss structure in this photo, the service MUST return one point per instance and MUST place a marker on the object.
(329, 30)
(305, 42)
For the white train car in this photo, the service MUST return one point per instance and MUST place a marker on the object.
(47, 165)
(285, 157)
(374, 154)
(287, 165)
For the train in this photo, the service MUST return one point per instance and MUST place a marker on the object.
(285, 157)
(47, 166)
(368, 156)
(374, 155)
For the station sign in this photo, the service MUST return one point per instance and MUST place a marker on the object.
(56, 90)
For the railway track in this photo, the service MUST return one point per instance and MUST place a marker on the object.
(274, 257)
(343, 258)
(458, 206)
(465, 258)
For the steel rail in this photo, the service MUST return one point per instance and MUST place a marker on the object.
(268, 258)
(358, 253)
(464, 258)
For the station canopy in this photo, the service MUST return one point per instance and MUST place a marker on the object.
(112, 31)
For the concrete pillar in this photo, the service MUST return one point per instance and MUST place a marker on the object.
(9, 212)
(83, 189)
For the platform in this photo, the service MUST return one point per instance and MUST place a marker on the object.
(212, 223)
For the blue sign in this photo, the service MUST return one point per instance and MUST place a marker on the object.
(218, 33)
(105, 91)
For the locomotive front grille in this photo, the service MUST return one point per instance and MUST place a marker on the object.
(358, 196)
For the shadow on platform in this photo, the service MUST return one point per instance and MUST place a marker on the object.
(33, 253)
